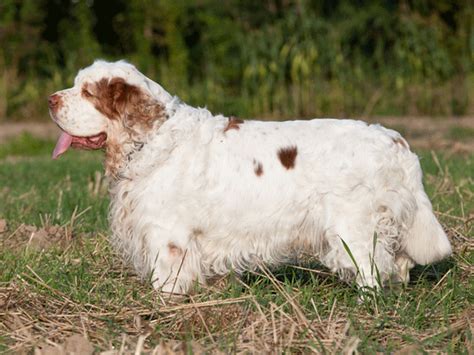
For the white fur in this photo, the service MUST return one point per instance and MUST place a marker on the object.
(189, 204)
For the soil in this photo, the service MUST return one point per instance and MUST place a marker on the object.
(434, 133)
(37, 129)
(37, 238)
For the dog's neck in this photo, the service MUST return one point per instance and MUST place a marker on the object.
(124, 145)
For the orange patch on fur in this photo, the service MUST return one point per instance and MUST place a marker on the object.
(56, 102)
(287, 156)
(233, 123)
(113, 157)
(174, 249)
(401, 141)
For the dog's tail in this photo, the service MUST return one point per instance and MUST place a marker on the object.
(426, 242)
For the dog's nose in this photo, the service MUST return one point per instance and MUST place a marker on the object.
(54, 100)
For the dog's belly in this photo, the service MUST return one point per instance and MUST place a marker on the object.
(236, 226)
(248, 241)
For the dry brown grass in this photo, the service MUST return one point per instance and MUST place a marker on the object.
(34, 315)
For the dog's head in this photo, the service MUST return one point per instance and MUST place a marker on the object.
(109, 103)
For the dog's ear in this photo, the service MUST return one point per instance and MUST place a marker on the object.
(116, 99)
(138, 110)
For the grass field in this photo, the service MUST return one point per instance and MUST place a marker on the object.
(59, 277)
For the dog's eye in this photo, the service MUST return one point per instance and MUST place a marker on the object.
(86, 93)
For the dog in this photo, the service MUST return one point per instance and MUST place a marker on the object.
(196, 195)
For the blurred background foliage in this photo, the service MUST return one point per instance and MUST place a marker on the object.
(269, 58)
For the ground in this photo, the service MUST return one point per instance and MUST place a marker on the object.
(63, 290)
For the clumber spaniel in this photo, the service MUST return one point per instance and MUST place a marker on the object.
(195, 194)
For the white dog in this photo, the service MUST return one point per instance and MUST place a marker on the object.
(196, 195)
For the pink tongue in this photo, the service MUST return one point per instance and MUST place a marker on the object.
(64, 142)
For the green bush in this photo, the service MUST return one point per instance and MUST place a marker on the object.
(271, 59)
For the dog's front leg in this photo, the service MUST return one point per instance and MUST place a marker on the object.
(173, 261)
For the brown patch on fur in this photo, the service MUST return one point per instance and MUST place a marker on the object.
(113, 157)
(117, 99)
(174, 249)
(197, 232)
(287, 156)
(135, 111)
(258, 168)
(233, 123)
(401, 141)
(55, 102)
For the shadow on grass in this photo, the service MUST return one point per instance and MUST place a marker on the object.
(297, 275)
(315, 274)
(431, 273)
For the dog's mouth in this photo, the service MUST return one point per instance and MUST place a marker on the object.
(66, 140)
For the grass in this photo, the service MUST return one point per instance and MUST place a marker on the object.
(77, 285)
(25, 145)
(461, 133)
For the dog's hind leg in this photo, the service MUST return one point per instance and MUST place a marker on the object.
(404, 265)
(362, 245)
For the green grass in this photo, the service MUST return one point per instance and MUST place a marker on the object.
(35, 187)
(25, 145)
(80, 285)
(461, 133)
